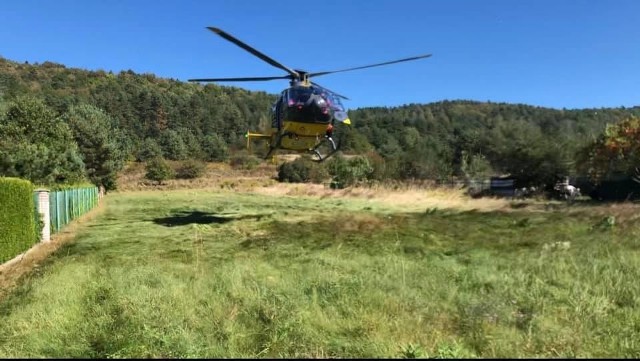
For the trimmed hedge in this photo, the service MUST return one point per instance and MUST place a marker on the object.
(17, 217)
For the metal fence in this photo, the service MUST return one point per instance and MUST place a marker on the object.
(69, 204)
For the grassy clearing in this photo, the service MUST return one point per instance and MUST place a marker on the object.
(12, 271)
(195, 273)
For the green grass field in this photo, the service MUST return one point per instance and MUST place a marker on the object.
(196, 273)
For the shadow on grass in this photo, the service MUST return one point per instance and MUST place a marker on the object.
(196, 217)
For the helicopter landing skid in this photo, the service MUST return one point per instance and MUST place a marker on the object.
(317, 153)
(269, 153)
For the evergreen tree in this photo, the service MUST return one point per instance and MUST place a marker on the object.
(158, 170)
(96, 136)
(37, 145)
(215, 149)
(148, 149)
(172, 145)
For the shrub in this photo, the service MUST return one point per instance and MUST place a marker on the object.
(318, 173)
(349, 172)
(296, 171)
(302, 170)
(191, 169)
(17, 219)
(158, 170)
(243, 160)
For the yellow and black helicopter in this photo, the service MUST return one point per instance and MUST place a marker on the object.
(304, 115)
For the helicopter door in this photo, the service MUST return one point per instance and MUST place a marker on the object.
(276, 116)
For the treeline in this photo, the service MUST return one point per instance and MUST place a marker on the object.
(59, 124)
(135, 116)
(143, 105)
(471, 139)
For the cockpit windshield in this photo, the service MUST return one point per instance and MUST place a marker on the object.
(298, 95)
(334, 102)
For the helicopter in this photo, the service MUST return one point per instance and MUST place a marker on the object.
(304, 115)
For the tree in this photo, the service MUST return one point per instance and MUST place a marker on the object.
(215, 149)
(172, 145)
(149, 149)
(37, 145)
(475, 166)
(427, 160)
(96, 135)
(525, 152)
(158, 170)
(352, 140)
(191, 143)
(349, 172)
(616, 150)
(40, 164)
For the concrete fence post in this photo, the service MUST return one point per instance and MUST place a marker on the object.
(43, 209)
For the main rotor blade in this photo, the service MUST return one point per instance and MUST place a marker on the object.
(330, 91)
(260, 78)
(370, 66)
(253, 51)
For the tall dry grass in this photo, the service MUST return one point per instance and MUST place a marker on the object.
(221, 176)
(411, 196)
(216, 176)
(408, 196)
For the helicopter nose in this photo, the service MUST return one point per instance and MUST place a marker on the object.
(342, 117)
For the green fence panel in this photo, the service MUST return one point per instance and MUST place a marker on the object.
(71, 209)
(69, 204)
(67, 207)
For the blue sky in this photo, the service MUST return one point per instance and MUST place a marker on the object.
(552, 53)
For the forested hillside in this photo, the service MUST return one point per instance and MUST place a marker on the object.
(97, 120)
(467, 138)
(142, 105)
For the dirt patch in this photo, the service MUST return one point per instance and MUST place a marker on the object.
(11, 272)
(361, 223)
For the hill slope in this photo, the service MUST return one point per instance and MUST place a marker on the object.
(437, 140)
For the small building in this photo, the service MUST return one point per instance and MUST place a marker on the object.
(502, 186)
